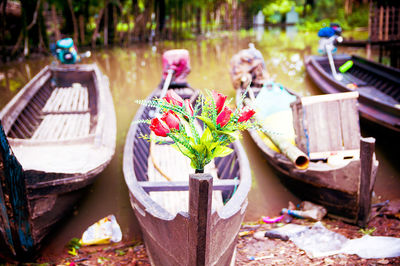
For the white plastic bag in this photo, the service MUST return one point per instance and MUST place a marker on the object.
(373, 247)
(104, 231)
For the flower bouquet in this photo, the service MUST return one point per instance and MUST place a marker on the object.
(178, 121)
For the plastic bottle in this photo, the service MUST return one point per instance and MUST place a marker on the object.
(310, 214)
(346, 66)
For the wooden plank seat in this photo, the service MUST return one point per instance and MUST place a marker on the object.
(176, 166)
(63, 126)
(65, 115)
(68, 99)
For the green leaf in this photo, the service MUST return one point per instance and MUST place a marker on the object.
(206, 137)
(183, 149)
(200, 148)
(72, 252)
(207, 121)
(221, 151)
(232, 134)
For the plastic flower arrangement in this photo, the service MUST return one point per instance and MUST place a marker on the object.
(201, 144)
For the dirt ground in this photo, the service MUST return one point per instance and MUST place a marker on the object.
(250, 251)
(251, 248)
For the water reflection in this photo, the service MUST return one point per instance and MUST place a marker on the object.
(135, 71)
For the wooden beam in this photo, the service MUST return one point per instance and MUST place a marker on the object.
(328, 97)
(200, 193)
(218, 184)
(367, 148)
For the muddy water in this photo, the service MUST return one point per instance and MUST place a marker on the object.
(135, 71)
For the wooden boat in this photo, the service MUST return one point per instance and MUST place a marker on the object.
(173, 230)
(378, 86)
(57, 134)
(343, 185)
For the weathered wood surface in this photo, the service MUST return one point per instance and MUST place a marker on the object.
(379, 99)
(327, 125)
(367, 179)
(200, 201)
(61, 145)
(166, 235)
(335, 186)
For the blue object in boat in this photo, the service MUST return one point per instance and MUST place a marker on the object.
(326, 32)
(66, 52)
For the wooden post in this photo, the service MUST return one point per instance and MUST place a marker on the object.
(367, 148)
(200, 193)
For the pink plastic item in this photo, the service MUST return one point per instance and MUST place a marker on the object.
(272, 220)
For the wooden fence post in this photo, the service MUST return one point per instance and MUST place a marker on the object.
(200, 193)
(367, 148)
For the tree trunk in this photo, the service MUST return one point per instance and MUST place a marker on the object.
(74, 21)
(105, 39)
(3, 29)
(82, 28)
(198, 20)
(55, 22)
(96, 30)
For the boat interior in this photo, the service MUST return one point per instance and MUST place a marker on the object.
(59, 110)
(371, 82)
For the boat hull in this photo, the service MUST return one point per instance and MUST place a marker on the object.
(167, 237)
(335, 187)
(55, 171)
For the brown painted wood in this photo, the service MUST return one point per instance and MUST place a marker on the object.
(367, 161)
(200, 198)
(61, 152)
(184, 185)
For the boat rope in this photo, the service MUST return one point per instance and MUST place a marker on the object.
(153, 160)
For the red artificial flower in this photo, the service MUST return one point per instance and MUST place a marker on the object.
(189, 107)
(219, 100)
(159, 128)
(174, 98)
(246, 114)
(171, 119)
(224, 117)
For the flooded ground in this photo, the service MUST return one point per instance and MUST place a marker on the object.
(135, 71)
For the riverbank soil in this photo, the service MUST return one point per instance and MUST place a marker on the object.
(251, 248)
(250, 251)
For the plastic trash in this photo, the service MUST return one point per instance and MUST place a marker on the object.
(285, 232)
(308, 211)
(269, 220)
(318, 241)
(346, 66)
(373, 247)
(104, 231)
(307, 206)
(309, 214)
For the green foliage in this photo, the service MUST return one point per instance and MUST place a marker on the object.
(367, 231)
(201, 145)
(73, 246)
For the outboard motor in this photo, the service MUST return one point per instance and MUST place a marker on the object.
(177, 60)
(248, 66)
(329, 38)
(66, 51)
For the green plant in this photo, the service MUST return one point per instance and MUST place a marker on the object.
(201, 145)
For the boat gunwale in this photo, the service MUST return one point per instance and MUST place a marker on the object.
(233, 206)
(339, 87)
